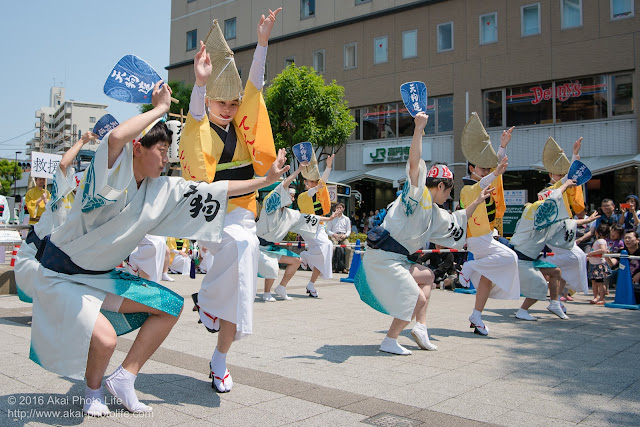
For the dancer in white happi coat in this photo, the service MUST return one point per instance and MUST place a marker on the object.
(318, 253)
(571, 261)
(386, 280)
(54, 215)
(275, 221)
(543, 222)
(206, 259)
(80, 302)
(180, 262)
(494, 268)
(233, 142)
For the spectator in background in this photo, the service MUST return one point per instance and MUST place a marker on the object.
(631, 245)
(629, 217)
(598, 267)
(339, 230)
(607, 216)
(615, 240)
(36, 199)
(581, 230)
(5, 213)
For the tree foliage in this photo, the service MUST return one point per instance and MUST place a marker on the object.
(303, 108)
(9, 171)
(181, 92)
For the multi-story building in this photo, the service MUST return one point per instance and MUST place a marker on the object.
(63, 122)
(561, 68)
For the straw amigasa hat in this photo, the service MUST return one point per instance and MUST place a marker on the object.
(476, 145)
(553, 158)
(224, 84)
(311, 171)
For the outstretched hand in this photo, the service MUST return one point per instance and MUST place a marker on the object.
(278, 167)
(202, 65)
(576, 148)
(506, 137)
(265, 25)
(88, 136)
(502, 166)
(161, 96)
(595, 215)
(486, 193)
(330, 160)
(421, 120)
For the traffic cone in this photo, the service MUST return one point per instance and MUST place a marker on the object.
(471, 289)
(355, 264)
(624, 288)
(13, 255)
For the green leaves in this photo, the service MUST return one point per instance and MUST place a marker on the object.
(8, 171)
(303, 108)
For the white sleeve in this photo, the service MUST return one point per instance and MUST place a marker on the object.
(329, 227)
(256, 73)
(502, 152)
(196, 105)
(348, 227)
(487, 180)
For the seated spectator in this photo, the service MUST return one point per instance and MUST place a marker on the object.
(339, 230)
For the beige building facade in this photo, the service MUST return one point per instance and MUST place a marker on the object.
(561, 68)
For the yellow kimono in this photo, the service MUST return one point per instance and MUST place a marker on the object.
(35, 209)
(478, 224)
(318, 204)
(177, 245)
(201, 147)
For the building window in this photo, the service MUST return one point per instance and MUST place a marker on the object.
(621, 9)
(192, 39)
(230, 29)
(190, 1)
(621, 94)
(307, 9)
(92, 119)
(489, 28)
(445, 114)
(380, 50)
(493, 108)
(409, 44)
(445, 37)
(581, 99)
(359, 2)
(350, 56)
(289, 61)
(355, 136)
(379, 121)
(571, 13)
(530, 17)
(318, 61)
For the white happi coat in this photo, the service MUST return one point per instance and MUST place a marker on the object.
(104, 226)
(541, 223)
(55, 213)
(149, 257)
(275, 221)
(383, 280)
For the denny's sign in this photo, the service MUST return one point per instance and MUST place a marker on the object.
(562, 92)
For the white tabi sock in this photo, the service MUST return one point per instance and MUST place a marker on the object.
(120, 384)
(166, 278)
(311, 290)
(390, 345)
(476, 318)
(221, 376)
(267, 297)
(420, 335)
(94, 404)
(282, 293)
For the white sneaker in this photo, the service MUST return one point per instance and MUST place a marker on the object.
(555, 308)
(282, 293)
(523, 314)
(166, 278)
(390, 345)
(267, 297)
(421, 337)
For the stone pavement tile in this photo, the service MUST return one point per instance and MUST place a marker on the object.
(374, 406)
(565, 410)
(520, 419)
(292, 408)
(248, 396)
(161, 415)
(361, 385)
(270, 382)
(420, 371)
(413, 395)
(465, 377)
(248, 416)
(615, 415)
(490, 371)
(331, 397)
(464, 408)
(438, 419)
(335, 417)
(48, 382)
(445, 386)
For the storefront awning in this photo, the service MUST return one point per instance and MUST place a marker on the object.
(603, 164)
(389, 175)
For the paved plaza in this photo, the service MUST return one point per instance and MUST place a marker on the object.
(315, 362)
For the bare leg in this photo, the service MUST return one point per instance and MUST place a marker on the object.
(152, 333)
(167, 258)
(315, 275)
(527, 303)
(396, 327)
(424, 278)
(268, 283)
(144, 275)
(226, 335)
(293, 264)
(595, 288)
(482, 293)
(101, 348)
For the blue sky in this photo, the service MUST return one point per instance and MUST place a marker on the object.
(77, 43)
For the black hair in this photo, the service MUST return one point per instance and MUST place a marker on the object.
(603, 230)
(158, 133)
(617, 227)
(607, 201)
(634, 232)
(433, 182)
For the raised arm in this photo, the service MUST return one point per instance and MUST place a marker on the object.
(265, 25)
(130, 129)
(288, 180)
(69, 156)
(327, 169)
(415, 151)
(504, 142)
(238, 188)
(588, 219)
(576, 149)
(202, 70)
(470, 209)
